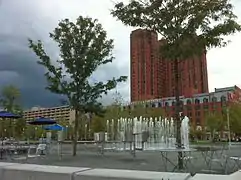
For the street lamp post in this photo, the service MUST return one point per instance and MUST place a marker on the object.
(229, 133)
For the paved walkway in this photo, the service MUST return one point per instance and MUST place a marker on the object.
(146, 161)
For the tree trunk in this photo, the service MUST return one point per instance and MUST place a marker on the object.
(177, 114)
(75, 137)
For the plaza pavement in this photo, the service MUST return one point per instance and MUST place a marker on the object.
(87, 156)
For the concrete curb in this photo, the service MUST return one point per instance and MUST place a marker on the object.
(17, 171)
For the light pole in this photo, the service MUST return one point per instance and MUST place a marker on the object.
(229, 133)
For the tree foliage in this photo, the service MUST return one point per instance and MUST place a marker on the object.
(235, 121)
(98, 124)
(188, 27)
(9, 100)
(138, 110)
(214, 122)
(10, 96)
(83, 47)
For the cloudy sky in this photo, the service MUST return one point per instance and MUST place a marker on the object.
(22, 19)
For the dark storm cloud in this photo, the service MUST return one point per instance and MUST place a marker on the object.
(18, 67)
(19, 21)
(17, 63)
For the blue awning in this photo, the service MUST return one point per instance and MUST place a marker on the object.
(55, 127)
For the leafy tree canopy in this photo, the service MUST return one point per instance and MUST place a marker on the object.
(235, 121)
(214, 121)
(187, 26)
(9, 99)
(83, 48)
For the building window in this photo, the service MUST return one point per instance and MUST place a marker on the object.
(173, 103)
(223, 101)
(214, 99)
(189, 107)
(189, 102)
(181, 105)
(159, 104)
(197, 101)
(198, 121)
(205, 100)
(166, 104)
(189, 114)
(197, 104)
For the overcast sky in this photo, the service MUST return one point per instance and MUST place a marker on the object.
(22, 19)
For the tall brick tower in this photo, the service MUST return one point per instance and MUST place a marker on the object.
(193, 78)
(153, 77)
(145, 65)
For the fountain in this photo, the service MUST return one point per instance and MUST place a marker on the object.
(145, 133)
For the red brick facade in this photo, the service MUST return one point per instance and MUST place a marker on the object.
(145, 66)
(197, 105)
(153, 77)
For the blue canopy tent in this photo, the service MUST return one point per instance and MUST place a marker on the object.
(6, 115)
(42, 121)
(55, 127)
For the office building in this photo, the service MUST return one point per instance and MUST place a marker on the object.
(56, 113)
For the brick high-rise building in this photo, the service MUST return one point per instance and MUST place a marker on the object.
(193, 78)
(145, 66)
(153, 77)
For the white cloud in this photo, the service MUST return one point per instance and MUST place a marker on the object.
(224, 64)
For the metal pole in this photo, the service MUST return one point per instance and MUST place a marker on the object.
(229, 133)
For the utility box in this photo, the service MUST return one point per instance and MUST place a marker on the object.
(60, 136)
(48, 137)
(99, 137)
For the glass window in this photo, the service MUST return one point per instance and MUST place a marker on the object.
(159, 104)
(189, 102)
(205, 100)
(173, 103)
(198, 121)
(197, 101)
(214, 99)
(223, 101)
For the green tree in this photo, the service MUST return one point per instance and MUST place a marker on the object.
(9, 100)
(214, 122)
(155, 112)
(235, 114)
(98, 124)
(83, 48)
(188, 27)
(136, 110)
